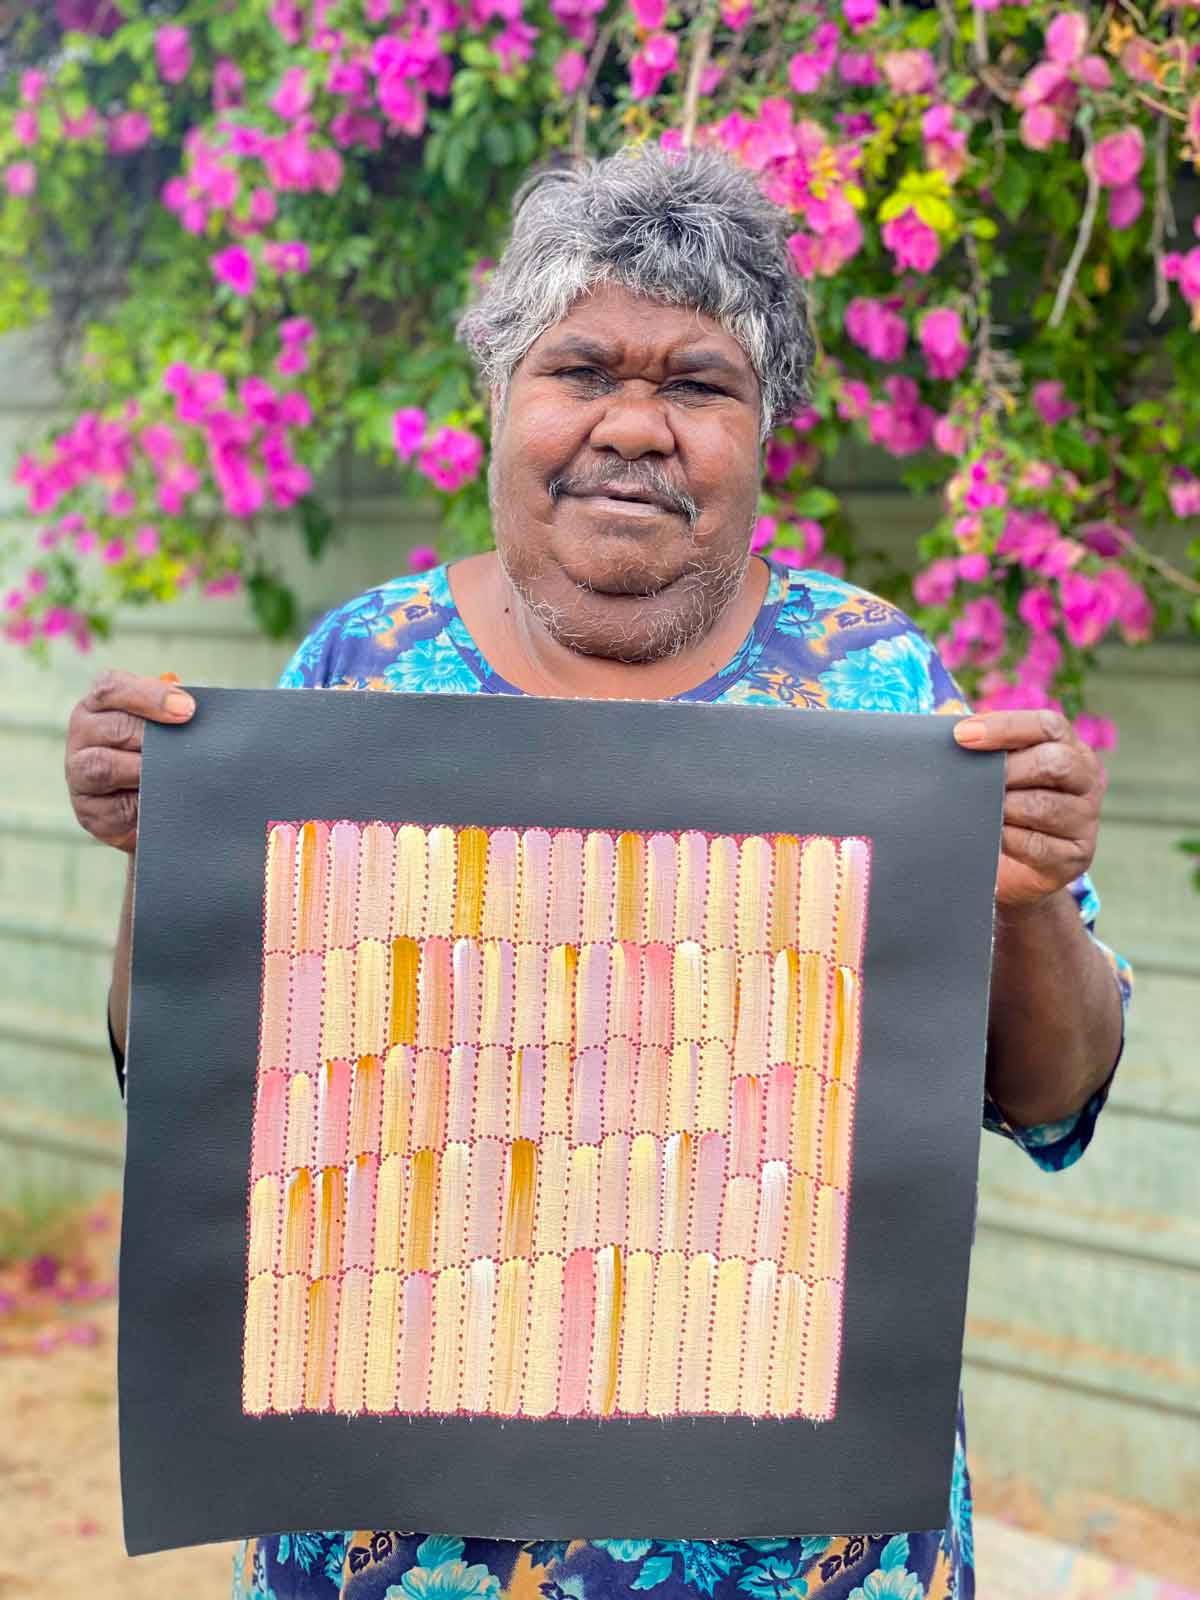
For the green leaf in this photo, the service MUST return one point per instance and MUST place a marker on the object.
(1013, 188)
(815, 502)
(273, 604)
(316, 525)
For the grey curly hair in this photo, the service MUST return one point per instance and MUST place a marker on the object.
(687, 229)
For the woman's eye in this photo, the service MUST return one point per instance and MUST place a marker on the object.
(587, 374)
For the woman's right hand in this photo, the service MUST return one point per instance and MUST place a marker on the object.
(104, 750)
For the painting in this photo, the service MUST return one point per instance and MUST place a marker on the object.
(552, 1122)
(549, 1119)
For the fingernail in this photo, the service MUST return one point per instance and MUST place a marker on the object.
(969, 732)
(179, 704)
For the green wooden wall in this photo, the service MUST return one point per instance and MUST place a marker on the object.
(1083, 1358)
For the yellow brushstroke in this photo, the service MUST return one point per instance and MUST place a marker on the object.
(754, 894)
(540, 1392)
(682, 1085)
(666, 1334)
(635, 1332)
(479, 1343)
(846, 1000)
(560, 995)
(448, 1297)
(787, 1350)
(720, 984)
(756, 1362)
(752, 1042)
(389, 1211)
(364, 1105)
(297, 1222)
(550, 1213)
(310, 921)
(326, 1259)
(721, 904)
(517, 1239)
(298, 1142)
(337, 1010)
(643, 1193)
(818, 895)
(688, 983)
(826, 1259)
(835, 1135)
(583, 1195)
(852, 900)
(383, 1341)
(598, 868)
(370, 996)
(439, 903)
(287, 1382)
(630, 877)
(264, 1212)
(429, 1100)
(738, 1216)
(397, 1097)
(419, 1235)
(693, 1372)
(406, 961)
(352, 1342)
(806, 1123)
(820, 1350)
(320, 1342)
(712, 1109)
(801, 1219)
(785, 890)
(259, 1344)
(724, 1377)
(452, 1205)
(408, 893)
(511, 1316)
(785, 984)
(471, 877)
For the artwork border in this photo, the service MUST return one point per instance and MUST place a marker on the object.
(194, 1468)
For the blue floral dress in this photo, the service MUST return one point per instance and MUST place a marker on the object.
(816, 643)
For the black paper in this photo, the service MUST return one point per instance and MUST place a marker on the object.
(195, 1468)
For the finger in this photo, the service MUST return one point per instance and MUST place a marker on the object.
(1012, 730)
(144, 697)
(1065, 816)
(101, 770)
(1067, 767)
(1059, 859)
(110, 818)
(120, 730)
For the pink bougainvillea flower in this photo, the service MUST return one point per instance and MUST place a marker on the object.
(1066, 37)
(974, 568)
(658, 56)
(83, 126)
(807, 68)
(570, 69)
(408, 430)
(26, 127)
(421, 557)
(1118, 157)
(234, 266)
(901, 423)
(942, 343)
(1140, 60)
(113, 552)
(912, 243)
(854, 400)
(146, 540)
(1094, 72)
(765, 529)
(1049, 400)
(877, 327)
(294, 95)
(945, 144)
(950, 437)
(1098, 732)
(910, 71)
(56, 621)
(228, 83)
(296, 330)
(450, 457)
(860, 14)
(32, 87)
(20, 178)
(649, 14)
(128, 131)
(859, 69)
(1183, 491)
(1041, 126)
(121, 502)
(1088, 609)
(515, 43)
(286, 255)
(737, 14)
(173, 52)
(936, 584)
(1124, 206)
(1037, 610)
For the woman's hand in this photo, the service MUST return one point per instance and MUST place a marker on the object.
(104, 750)
(1053, 788)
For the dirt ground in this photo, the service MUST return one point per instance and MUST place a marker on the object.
(59, 1491)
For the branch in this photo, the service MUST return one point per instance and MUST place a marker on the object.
(691, 98)
(582, 99)
(1086, 223)
(1164, 224)
(981, 38)
(1157, 105)
(1160, 564)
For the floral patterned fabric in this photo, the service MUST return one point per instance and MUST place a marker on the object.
(817, 643)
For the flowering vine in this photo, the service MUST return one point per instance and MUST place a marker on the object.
(988, 202)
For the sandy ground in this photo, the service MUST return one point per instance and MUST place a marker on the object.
(59, 1491)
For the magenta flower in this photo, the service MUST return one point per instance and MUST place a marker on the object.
(649, 14)
(854, 400)
(570, 69)
(858, 68)
(1050, 402)
(450, 457)
(809, 67)
(146, 540)
(658, 56)
(286, 255)
(83, 126)
(26, 127)
(56, 621)
(942, 343)
(1124, 206)
(860, 14)
(234, 266)
(33, 86)
(936, 584)
(296, 331)
(974, 568)
(294, 95)
(421, 557)
(1066, 37)
(408, 430)
(949, 437)
(876, 327)
(20, 178)
(765, 529)
(1094, 71)
(228, 84)
(128, 131)
(911, 242)
(1099, 732)
(737, 14)
(113, 552)
(1037, 610)
(1118, 158)
(1088, 609)
(1183, 491)
(910, 71)
(173, 52)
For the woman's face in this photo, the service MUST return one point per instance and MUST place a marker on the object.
(625, 474)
